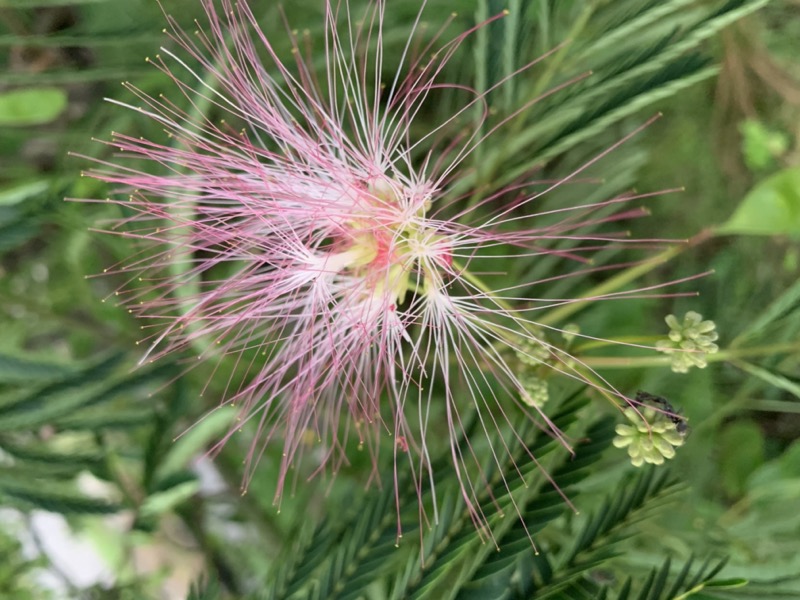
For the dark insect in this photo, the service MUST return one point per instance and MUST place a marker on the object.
(663, 404)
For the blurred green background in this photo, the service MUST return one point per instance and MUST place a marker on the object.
(87, 435)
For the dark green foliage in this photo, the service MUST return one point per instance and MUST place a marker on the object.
(20, 369)
(452, 555)
(655, 56)
(47, 495)
(453, 561)
(42, 466)
(18, 573)
(208, 589)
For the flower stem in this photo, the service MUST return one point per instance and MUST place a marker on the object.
(615, 362)
(561, 313)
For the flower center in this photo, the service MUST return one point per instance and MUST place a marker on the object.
(388, 242)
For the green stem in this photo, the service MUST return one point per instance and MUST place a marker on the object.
(626, 339)
(614, 362)
(561, 313)
(778, 406)
(179, 270)
(691, 592)
(618, 281)
(480, 285)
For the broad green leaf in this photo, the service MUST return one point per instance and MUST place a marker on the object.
(31, 106)
(772, 207)
(776, 474)
(21, 192)
(762, 145)
(17, 233)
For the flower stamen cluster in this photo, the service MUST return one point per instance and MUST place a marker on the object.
(325, 252)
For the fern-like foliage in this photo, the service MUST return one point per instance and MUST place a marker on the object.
(621, 57)
(49, 427)
(458, 551)
(545, 551)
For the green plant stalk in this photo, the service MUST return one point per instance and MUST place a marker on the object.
(623, 278)
(614, 362)
(512, 341)
(179, 270)
(628, 275)
(626, 339)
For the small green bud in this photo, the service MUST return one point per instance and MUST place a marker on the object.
(650, 438)
(533, 353)
(534, 390)
(569, 332)
(690, 342)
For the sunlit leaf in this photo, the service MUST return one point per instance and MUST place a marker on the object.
(31, 106)
(161, 502)
(21, 192)
(772, 207)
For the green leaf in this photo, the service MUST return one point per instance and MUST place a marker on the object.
(772, 207)
(779, 380)
(48, 495)
(100, 417)
(17, 233)
(786, 302)
(195, 440)
(205, 589)
(454, 551)
(94, 386)
(36, 452)
(741, 452)
(24, 191)
(161, 502)
(733, 582)
(31, 106)
(15, 369)
(776, 476)
(762, 145)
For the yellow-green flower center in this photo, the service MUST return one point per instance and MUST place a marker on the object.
(386, 247)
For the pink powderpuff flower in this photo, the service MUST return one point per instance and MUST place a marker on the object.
(320, 244)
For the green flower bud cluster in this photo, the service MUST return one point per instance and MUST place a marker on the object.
(534, 358)
(532, 353)
(690, 341)
(535, 391)
(650, 438)
(569, 332)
